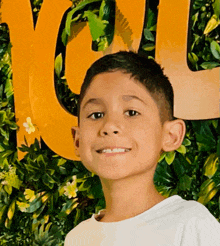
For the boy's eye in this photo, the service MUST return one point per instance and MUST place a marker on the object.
(132, 112)
(97, 115)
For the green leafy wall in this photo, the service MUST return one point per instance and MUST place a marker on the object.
(43, 196)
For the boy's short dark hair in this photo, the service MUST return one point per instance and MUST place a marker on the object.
(141, 68)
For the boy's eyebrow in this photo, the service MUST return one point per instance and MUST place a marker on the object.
(124, 97)
(130, 97)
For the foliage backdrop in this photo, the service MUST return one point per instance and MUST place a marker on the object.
(43, 196)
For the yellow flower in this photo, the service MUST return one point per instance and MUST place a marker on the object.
(70, 188)
(22, 206)
(45, 198)
(29, 126)
(29, 195)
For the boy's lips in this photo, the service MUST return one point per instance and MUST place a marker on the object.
(114, 149)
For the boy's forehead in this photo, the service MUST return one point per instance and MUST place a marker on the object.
(117, 79)
(125, 98)
(117, 83)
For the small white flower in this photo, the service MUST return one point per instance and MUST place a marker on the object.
(4, 182)
(29, 127)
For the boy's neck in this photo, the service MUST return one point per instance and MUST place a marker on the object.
(126, 198)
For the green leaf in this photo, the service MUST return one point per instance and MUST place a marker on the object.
(107, 15)
(148, 35)
(215, 49)
(151, 20)
(58, 65)
(2, 210)
(186, 142)
(80, 6)
(216, 7)
(102, 9)
(39, 211)
(4, 102)
(170, 156)
(209, 65)
(5, 142)
(204, 136)
(102, 43)
(12, 125)
(11, 210)
(2, 116)
(48, 181)
(5, 163)
(215, 123)
(4, 133)
(211, 165)
(8, 189)
(163, 174)
(180, 165)
(82, 188)
(10, 114)
(148, 47)
(162, 156)
(41, 162)
(193, 58)
(195, 19)
(62, 170)
(182, 149)
(206, 185)
(106, 8)
(13, 180)
(47, 228)
(64, 37)
(77, 216)
(212, 24)
(8, 88)
(68, 207)
(185, 183)
(153, 28)
(1, 93)
(8, 223)
(61, 162)
(34, 205)
(96, 25)
(196, 40)
(208, 193)
(1, 148)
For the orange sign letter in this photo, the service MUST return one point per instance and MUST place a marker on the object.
(196, 93)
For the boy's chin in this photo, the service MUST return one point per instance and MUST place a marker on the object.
(117, 176)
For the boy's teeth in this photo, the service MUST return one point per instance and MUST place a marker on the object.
(114, 150)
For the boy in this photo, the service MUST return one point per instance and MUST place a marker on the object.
(123, 150)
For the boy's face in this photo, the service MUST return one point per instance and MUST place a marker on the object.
(118, 112)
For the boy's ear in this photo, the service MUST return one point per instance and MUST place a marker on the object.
(75, 134)
(174, 132)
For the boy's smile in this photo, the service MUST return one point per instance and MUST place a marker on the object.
(120, 133)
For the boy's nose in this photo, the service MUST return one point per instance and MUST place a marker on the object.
(110, 128)
(106, 133)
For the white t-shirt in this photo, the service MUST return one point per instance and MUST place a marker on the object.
(172, 222)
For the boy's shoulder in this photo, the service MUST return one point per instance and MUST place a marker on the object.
(174, 208)
(173, 216)
(177, 210)
(80, 230)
